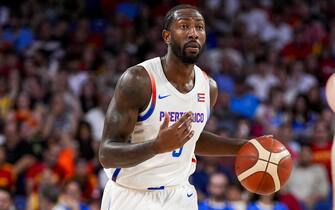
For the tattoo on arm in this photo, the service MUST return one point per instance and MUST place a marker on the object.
(131, 96)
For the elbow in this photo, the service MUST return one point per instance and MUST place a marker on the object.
(105, 159)
(102, 159)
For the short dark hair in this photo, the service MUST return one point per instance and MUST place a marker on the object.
(169, 17)
(50, 193)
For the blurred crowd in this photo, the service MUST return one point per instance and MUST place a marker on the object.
(60, 60)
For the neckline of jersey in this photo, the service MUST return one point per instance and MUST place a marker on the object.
(184, 96)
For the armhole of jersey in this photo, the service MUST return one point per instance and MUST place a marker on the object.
(209, 94)
(152, 103)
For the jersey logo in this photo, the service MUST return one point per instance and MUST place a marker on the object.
(201, 97)
(189, 195)
(161, 97)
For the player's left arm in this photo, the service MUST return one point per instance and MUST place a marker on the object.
(210, 144)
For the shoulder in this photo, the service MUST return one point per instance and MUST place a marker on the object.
(213, 88)
(134, 84)
(212, 84)
(135, 74)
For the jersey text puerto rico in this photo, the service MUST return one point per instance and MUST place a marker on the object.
(174, 116)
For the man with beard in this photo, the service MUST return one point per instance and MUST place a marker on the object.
(154, 123)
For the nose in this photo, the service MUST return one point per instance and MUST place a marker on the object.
(193, 34)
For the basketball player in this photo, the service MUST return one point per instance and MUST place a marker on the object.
(154, 123)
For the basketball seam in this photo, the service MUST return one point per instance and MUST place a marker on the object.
(267, 164)
(251, 156)
(280, 166)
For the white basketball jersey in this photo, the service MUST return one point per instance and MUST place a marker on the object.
(175, 167)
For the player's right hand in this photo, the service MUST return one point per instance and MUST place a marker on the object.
(175, 136)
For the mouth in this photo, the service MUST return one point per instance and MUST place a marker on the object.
(192, 47)
(192, 44)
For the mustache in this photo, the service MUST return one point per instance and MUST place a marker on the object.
(192, 44)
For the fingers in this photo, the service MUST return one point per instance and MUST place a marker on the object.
(166, 122)
(185, 128)
(188, 136)
(186, 117)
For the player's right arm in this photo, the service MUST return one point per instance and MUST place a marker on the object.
(131, 96)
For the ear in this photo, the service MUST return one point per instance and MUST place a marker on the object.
(166, 36)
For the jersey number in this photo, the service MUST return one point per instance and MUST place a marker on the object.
(177, 152)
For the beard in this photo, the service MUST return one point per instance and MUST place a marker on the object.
(180, 53)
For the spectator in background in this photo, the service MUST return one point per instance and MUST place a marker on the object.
(254, 18)
(61, 119)
(272, 113)
(26, 115)
(207, 166)
(5, 99)
(301, 118)
(49, 196)
(223, 112)
(88, 146)
(71, 196)
(216, 200)
(298, 82)
(88, 96)
(19, 153)
(85, 141)
(243, 128)
(236, 197)
(7, 175)
(298, 49)
(18, 36)
(45, 172)
(85, 177)
(244, 103)
(262, 80)
(278, 33)
(96, 116)
(314, 101)
(6, 200)
(321, 144)
(229, 65)
(264, 202)
(308, 181)
(287, 137)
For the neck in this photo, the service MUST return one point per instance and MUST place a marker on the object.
(175, 70)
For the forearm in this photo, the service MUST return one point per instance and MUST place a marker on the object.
(125, 155)
(210, 144)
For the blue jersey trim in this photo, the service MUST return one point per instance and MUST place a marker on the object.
(115, 174)
(147, 115)
(156, 188)
(153, 101)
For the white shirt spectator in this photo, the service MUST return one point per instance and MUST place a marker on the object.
(262, 84)
(278, 36)
(95, 117)
(314, 181)
(76, 81)
(255, 20)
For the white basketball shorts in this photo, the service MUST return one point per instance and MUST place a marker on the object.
(181, 197)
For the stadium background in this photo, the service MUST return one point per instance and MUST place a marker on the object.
(60, 60)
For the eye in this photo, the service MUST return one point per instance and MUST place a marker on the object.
(200, 27)
(183, 26)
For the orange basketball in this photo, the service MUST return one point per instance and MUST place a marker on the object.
(263, 165)
(330, 92)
